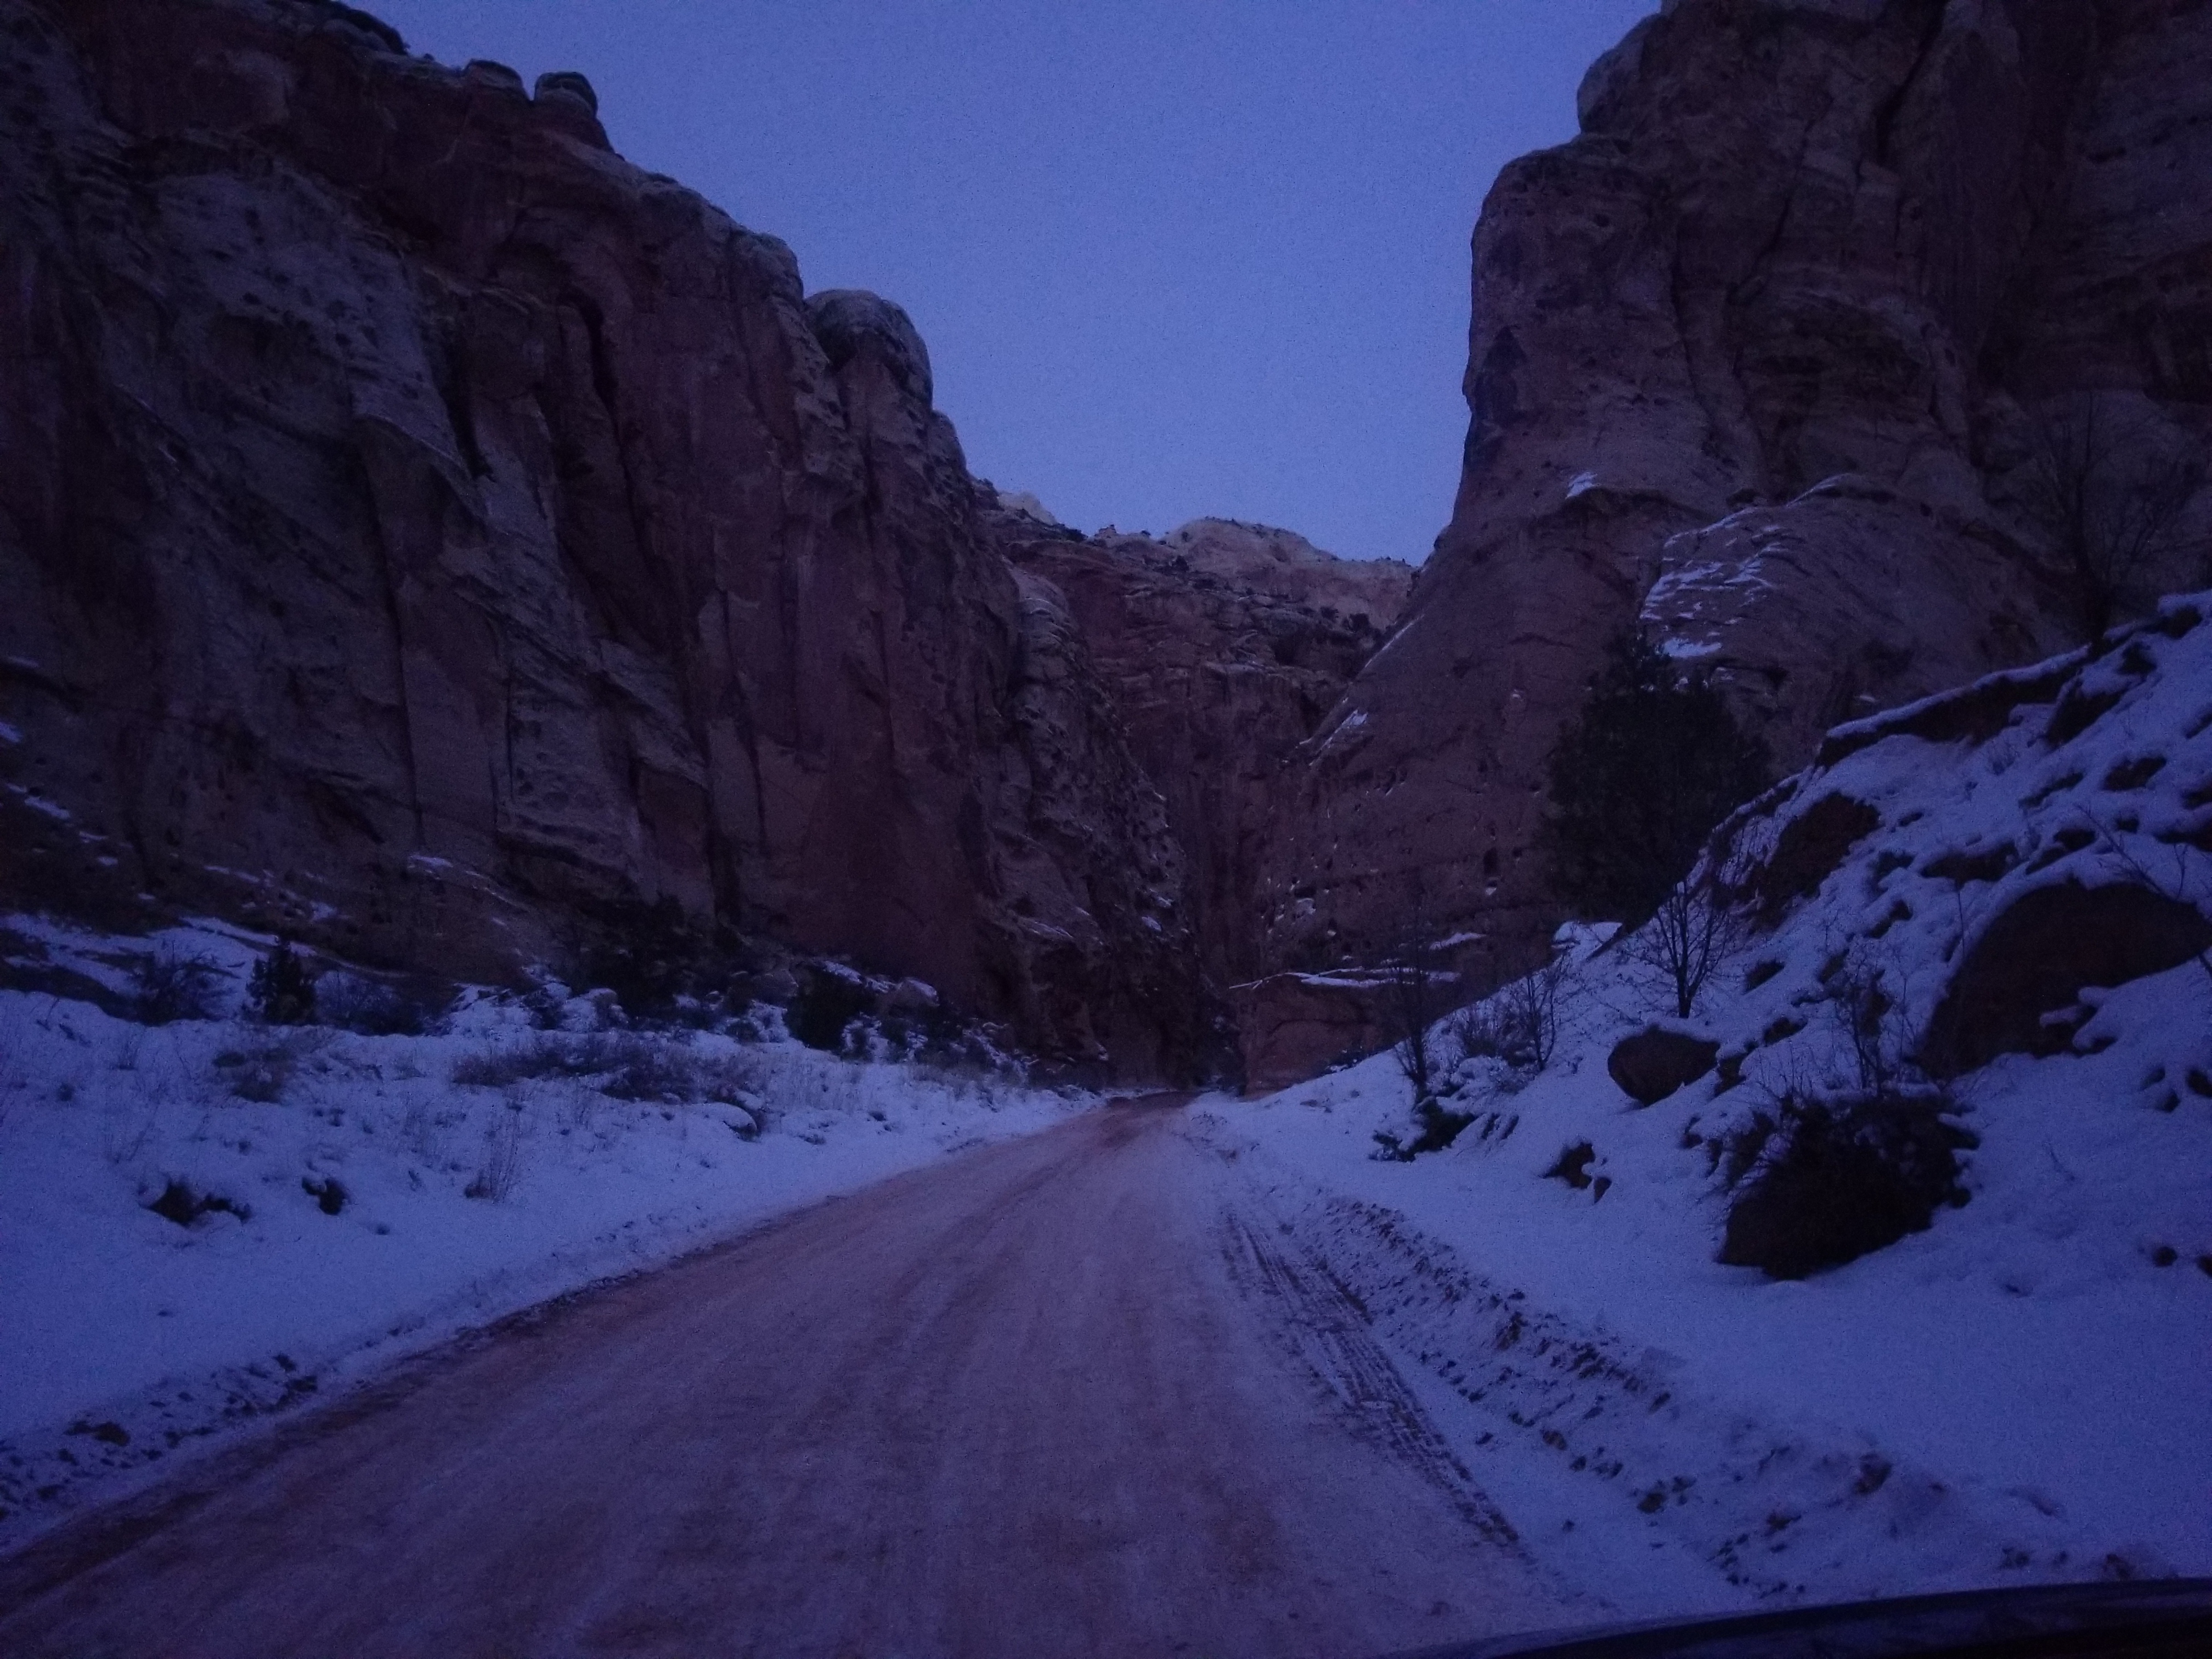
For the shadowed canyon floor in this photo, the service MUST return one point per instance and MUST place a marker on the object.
(1056, 1398)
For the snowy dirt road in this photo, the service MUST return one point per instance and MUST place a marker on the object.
(1057, 1397)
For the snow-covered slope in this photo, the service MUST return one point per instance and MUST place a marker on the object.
(360, 1197)
(2020, 1391)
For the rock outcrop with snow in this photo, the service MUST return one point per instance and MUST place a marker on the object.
(1758, 359)
(1972, 954)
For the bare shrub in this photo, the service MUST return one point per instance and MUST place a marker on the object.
(939, 1043)
(653, 1072)
(647, 1069)
(2112, 496)
(129, 1131)
(423, 1128)
(966, 1079)
(1823, 1176)
(2174, 885)
(549, 1055)
(1697, 929)
(263, 1075)
(1867, 1014)
(631, 1066)
(1417, 987)
(172, 986)
(1834, 1180)
(501, 1168)
(370, 1006)
(1736, 1152)
(580, 1109)
(731, 1077)
(1519, 1024)
(495, 1068)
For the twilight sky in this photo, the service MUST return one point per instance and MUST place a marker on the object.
(1171, 257)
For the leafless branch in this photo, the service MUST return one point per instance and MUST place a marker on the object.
(2112, 497)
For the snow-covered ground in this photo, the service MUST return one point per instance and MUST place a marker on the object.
(2022, 1391)
(477, 1171)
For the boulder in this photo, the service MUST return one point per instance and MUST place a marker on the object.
(1656, 1062)
(1810, 849)
(570, 84)
(1838, 1181)
(2036, 956)
(485, 72)
(1294, 1026)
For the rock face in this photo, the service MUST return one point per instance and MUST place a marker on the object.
(2029, 966)
(1758, 361)
(1264, 563)
(1223, 645)
(424, 529)
(1294, 1026)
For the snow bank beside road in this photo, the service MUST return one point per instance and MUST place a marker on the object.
(1915, 1420)
(369, 1205)
(2019, 1392)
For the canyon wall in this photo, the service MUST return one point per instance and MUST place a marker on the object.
(1758, 361)
(425, 532)
(1224, 645)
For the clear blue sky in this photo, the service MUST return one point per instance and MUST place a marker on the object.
(1171, 257)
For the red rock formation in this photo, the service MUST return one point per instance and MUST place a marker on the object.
(1293, 1026)
(423, 528)
(1756, 358)
(1224, 645)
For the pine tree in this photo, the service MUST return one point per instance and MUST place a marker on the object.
(282, 991)
(1638, 779)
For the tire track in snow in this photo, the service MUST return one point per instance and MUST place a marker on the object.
(1324, 1324)
(1781, 1510)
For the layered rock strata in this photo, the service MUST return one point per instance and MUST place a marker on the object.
(425, 530)
(1758, 360)
(1223, 645)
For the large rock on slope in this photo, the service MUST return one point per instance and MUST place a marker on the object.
(424, 529)
(1294, 1026)
(1224, 645)
(1756, 359)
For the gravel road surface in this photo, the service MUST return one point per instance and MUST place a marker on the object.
(1059, 1396)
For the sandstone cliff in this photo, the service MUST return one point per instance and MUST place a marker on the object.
(1224, 645)
(424, 530)
(1759, 359)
